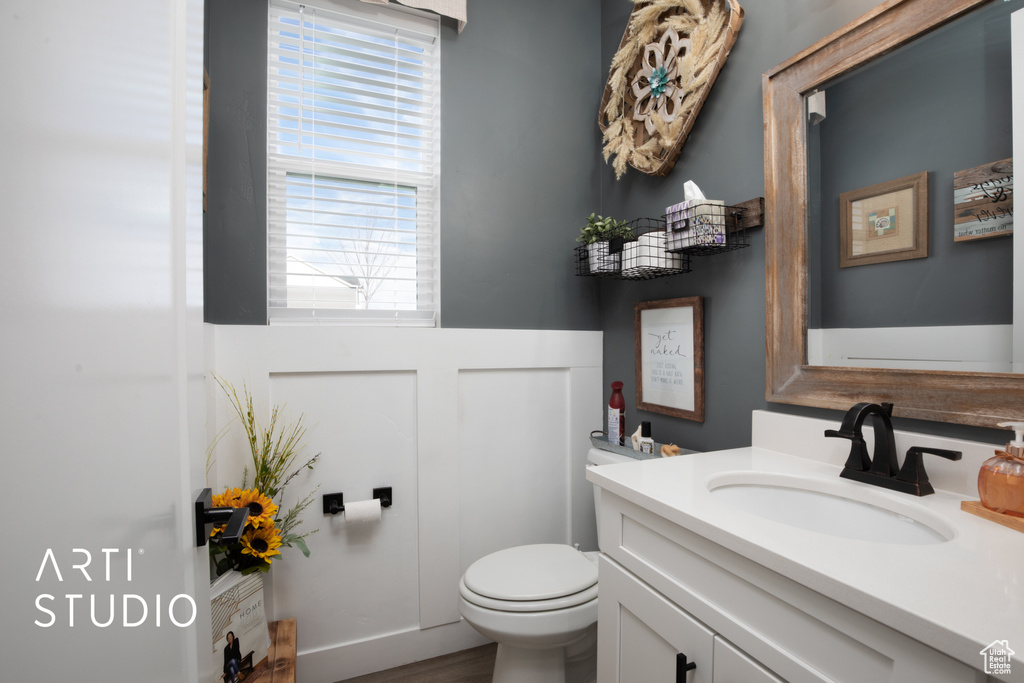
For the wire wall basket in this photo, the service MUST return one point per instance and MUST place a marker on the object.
(642, 256)
(705, 227)
(657, 247)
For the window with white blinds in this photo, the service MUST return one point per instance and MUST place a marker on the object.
(352, 164)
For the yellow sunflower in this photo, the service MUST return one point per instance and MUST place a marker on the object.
(261, 543)
(261, 508)
(228, 499)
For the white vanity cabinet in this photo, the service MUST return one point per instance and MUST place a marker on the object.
(733, 666)
(667, 590)
(645, 637)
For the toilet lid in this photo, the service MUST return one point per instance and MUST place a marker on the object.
(531, 572)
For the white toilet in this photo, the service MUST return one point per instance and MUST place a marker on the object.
(538, 602)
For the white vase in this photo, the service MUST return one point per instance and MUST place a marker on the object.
(600, 260)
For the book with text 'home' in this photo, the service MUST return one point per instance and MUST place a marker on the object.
(241, 639)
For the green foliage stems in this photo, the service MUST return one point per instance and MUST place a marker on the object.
(274, 454)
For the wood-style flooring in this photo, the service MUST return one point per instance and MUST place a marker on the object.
(468, 666)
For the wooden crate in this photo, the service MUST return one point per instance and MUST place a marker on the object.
(281, 657)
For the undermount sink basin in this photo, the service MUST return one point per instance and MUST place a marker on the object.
(837, 508)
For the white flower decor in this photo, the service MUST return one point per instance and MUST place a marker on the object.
(667, 61)
(661, 83)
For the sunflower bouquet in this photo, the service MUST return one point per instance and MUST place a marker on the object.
(275, 450)
(260, 541)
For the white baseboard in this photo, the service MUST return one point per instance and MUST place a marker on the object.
(338, 663)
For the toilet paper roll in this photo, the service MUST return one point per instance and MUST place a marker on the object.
(362, 511)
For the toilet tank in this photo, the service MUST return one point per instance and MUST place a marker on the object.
(596, 457)
(600, 456)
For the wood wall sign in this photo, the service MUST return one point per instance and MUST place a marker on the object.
(668, 59)
(669, 355)
(983, 201)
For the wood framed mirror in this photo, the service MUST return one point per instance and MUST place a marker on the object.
(972, 398)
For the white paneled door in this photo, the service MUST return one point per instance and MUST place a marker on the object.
(101, 350)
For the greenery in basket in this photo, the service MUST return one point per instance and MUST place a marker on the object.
(276, 450)
(599, 228)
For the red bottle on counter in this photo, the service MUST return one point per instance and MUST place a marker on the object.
(617, 416)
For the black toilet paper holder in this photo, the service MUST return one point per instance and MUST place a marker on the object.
(335, 502)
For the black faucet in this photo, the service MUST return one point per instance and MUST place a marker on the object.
(882, 469)
(883, 462)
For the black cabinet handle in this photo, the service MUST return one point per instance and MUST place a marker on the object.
(682, 666)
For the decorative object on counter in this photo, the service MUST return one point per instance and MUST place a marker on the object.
(669, 57)
(636, 439)
(645, 440)
(884, 222)
(602, 240)
(639, 256)
(275, 449)
(669, 357)
(983, 201)
(1001, 479)
(670, 449)
(975, 508)
(599, 439)
(617, 416)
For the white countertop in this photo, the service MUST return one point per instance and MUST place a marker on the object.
(958, 596)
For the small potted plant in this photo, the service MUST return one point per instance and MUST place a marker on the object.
(596, 235)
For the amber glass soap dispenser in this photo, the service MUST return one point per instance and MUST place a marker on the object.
(1001, 479)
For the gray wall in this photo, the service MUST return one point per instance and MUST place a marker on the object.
(724, 155)
(520, 163)
(519, 172)
(521, 168)
(940, 105)
(235, 222)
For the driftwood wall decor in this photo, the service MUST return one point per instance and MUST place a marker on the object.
(668, 59)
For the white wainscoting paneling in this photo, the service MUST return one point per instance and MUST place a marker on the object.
(482, 435)
(363, 424)
(513, 456)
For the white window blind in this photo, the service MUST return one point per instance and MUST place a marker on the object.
(352, 164)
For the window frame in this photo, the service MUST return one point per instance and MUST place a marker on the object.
(280, 167)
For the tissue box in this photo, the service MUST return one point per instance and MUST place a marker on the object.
(647, 252)
(695, 223)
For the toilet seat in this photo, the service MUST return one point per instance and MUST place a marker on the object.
(530, 578)
(564, 602)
